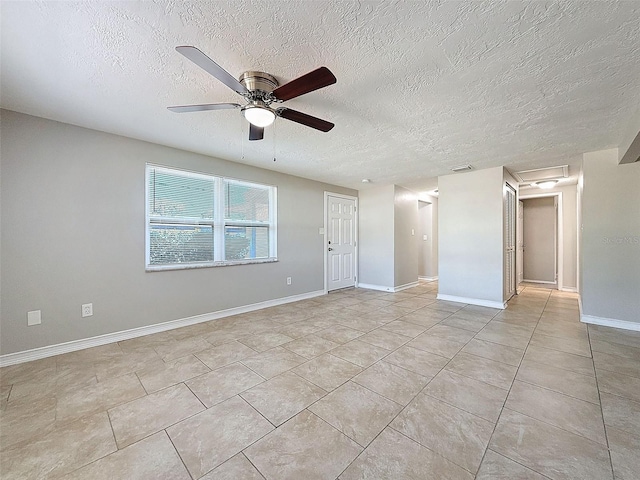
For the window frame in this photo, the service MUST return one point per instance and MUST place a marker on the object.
(218, 223)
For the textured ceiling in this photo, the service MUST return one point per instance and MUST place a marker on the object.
(422, 86)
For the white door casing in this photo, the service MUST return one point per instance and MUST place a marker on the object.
(340, 241)
(520, 241)
(509, 242)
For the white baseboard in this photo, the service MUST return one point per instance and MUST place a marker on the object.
(60, 348)
(472, 301)
(539, 281)
(607, 322)
(382, 288)
(569, 289)
(429, 279)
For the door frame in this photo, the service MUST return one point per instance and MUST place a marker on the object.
(559, 233)
(324, 237)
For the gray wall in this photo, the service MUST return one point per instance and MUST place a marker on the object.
(610, 246)
(470, 235)
(73, 223)
(376, 236)
(405, 229)
(539, 228)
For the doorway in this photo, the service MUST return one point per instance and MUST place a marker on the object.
(540, 263)
(340, 241)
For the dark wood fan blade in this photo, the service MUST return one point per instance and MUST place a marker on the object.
(319, 78)
(208, 65)
(255, 133)
(203, 108)
(305, 119)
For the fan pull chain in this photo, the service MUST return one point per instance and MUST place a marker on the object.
(274, 140)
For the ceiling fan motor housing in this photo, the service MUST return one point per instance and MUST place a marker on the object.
(259, 81)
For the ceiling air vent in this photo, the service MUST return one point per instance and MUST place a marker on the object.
(461, 168)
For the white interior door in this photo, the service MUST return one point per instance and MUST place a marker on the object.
(341, 242)
(509, 242)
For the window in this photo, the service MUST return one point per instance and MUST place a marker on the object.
(196, 220)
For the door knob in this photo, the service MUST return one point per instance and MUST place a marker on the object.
(330, 249)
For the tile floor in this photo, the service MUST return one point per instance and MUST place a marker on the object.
(353, 385)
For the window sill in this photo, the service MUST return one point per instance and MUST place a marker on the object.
(189, 266)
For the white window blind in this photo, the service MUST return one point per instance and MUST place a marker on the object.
(195, 219)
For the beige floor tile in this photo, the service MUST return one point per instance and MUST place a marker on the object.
(223, 383)
(620, 412)
(563, 360)
(549, 450)
(504, 334)
(575, 416)
(60, 451)
(616, 349)
(465, 323)
(494, 373)
(573, 384)
(149, 459)
(360, 353)
(21, 421)
(451, 333)
(417, 361)
(162, 376)
(494, 351)
(299, 329)
(283, 396)
(455, 434)
(273, 362)
(327, 371)
(356, 411)
(210, 438)
(177, 348)
(568, 345)
(220, 337)
(37, 370)
(425, 317)
(125, 364)
(496, 467)
(37, 388)
(446, 306)
(363, 324)
(614, 335)
(384, 339)
(404, 328)
(147, 415)
(310, 346)
(619, 384)
(616, 363)
(236, 468)
(396, 310)
(94, 398)
(563, 329)
(265, 341)
(468, 394)
(624, 448)
(339, 334)
(437, 345)
(305, 447)
(225, 354)
(392, 382)
(393, 456)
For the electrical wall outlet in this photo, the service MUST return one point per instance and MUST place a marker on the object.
(34, 318)
(87, 309)
(288, 280)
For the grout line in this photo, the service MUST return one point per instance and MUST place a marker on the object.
(177, 451)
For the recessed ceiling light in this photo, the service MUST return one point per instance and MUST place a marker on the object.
(546, 183)
(366, 180)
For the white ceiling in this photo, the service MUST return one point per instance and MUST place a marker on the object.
(422, 86)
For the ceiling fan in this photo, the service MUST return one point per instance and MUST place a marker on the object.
(260, 90)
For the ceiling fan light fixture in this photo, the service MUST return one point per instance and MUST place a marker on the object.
(258, 115)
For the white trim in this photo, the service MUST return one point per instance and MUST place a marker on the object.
(382, 288)
(355, 238)
(472, 301)
(429, 279)
(539, 281)
(72, 346)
